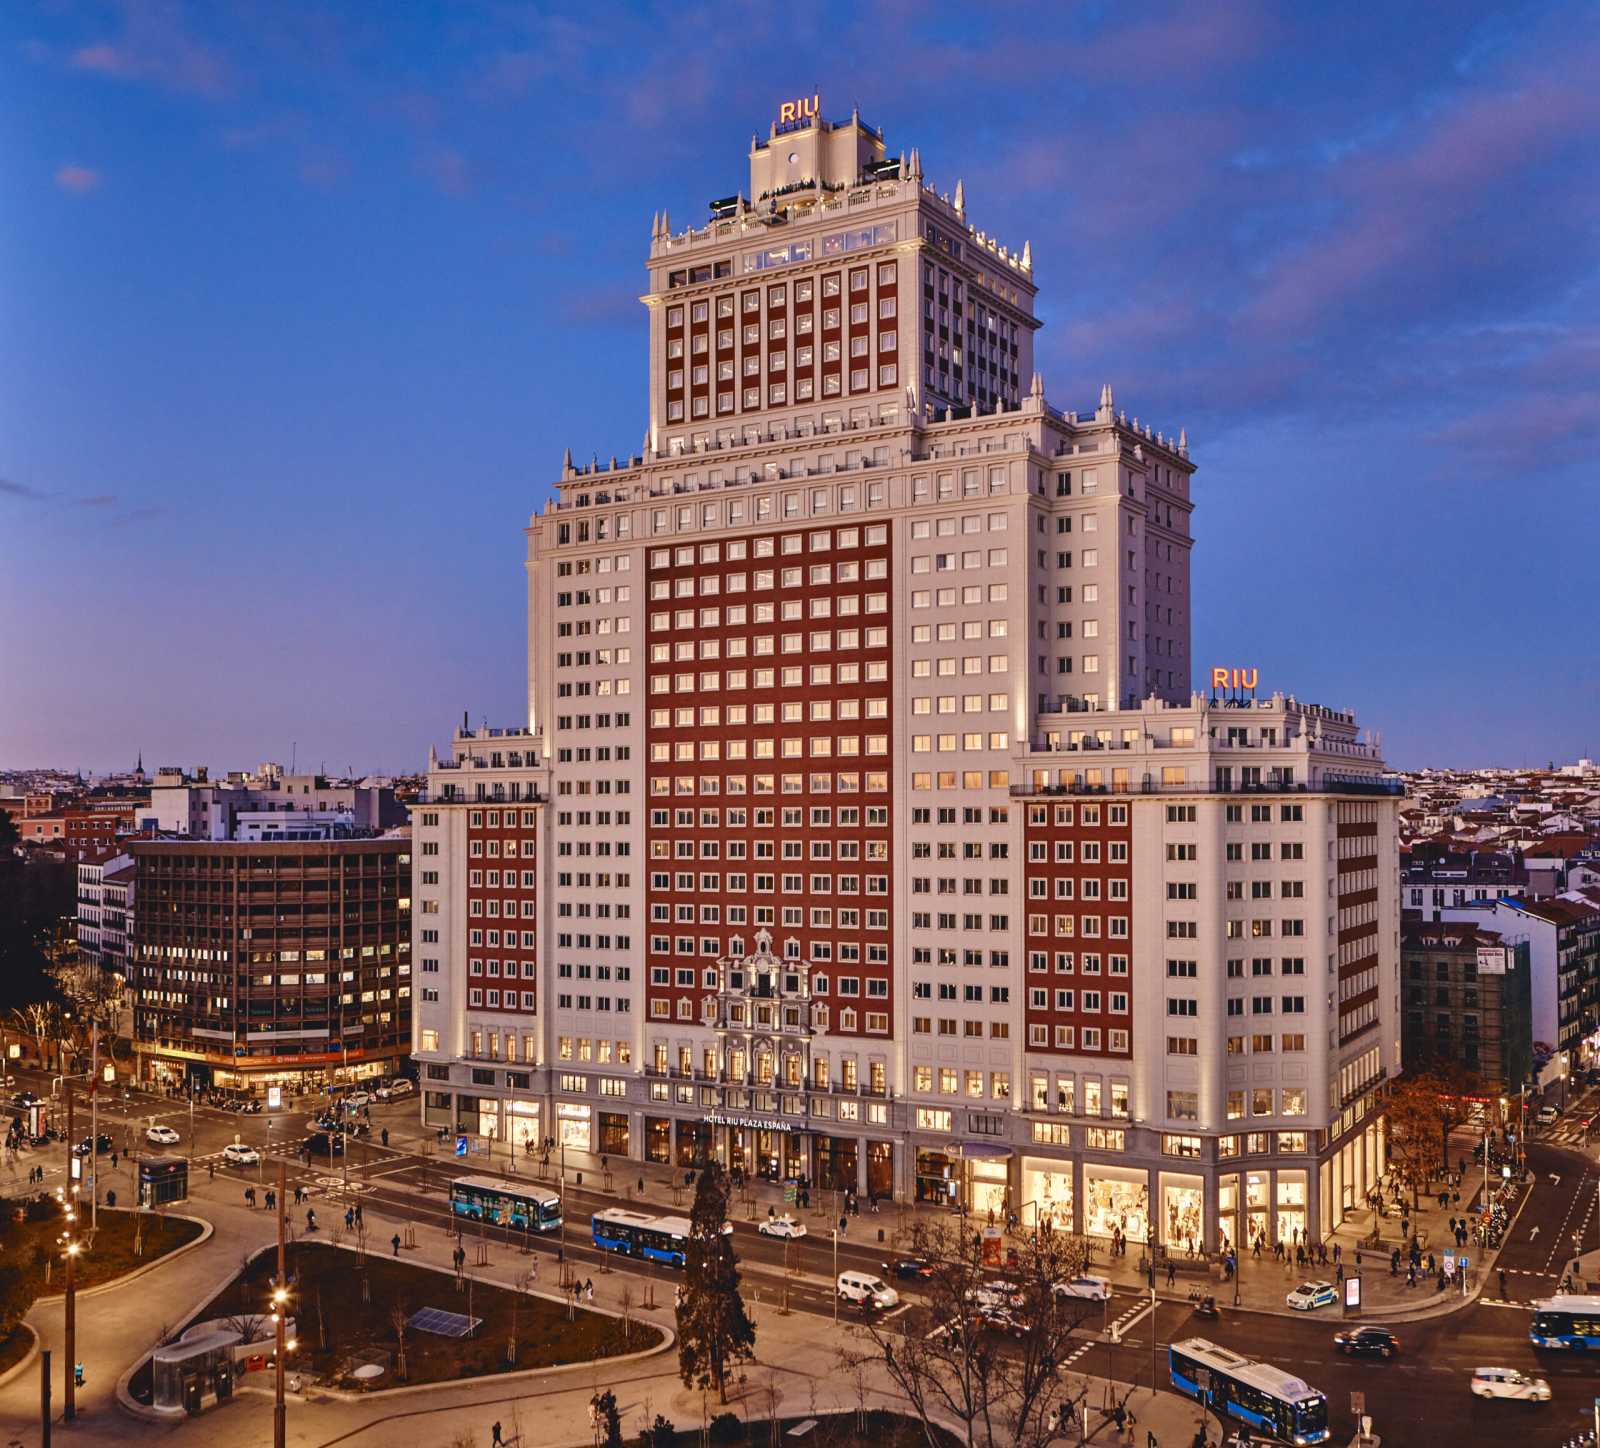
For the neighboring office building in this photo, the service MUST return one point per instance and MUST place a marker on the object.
(283, 963)
(1563, 936)
(105, 889)
(1467, 1002)
(809, 684)
(1434, 879)
(200, 808)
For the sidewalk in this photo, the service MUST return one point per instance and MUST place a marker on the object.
(1263, 1285)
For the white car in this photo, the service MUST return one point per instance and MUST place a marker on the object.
(1089, 1285)
(392, 1090)
(996, 1294)
(1509, 1383)
(1309, 1295)
(162, 1136)
(1546, 1115)
(782, 1227)
(357, 1099)
(238, 1154)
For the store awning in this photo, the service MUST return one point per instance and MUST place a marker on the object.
(982, 1151)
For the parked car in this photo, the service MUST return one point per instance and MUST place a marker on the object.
(394, 1090)
(1367, 1342)
(357, 1099)
(162, 1136)
(1310, 1295)
(236, 1153)
(1509, 1383)
(1095, 1288)
(904, 1267)
(996, 1293)
(324, 1144)
(782, 1227)
(866, 1291)
(99, 1146)
(1547, 1115)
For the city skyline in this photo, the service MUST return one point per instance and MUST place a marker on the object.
(1291, 232)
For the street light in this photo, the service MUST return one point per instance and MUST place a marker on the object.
(70, 1410)
(835, 1232)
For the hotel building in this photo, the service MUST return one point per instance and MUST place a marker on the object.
(867, 823)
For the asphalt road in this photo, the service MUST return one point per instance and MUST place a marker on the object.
(1420, 1396)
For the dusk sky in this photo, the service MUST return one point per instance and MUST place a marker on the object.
(300, 303)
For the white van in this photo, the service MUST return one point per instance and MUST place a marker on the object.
(866, 1290)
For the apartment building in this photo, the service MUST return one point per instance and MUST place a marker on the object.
(1467, 1002)
(864, 800)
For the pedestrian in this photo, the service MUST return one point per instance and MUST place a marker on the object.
(311, 1220)
(384, 1135)
(349, 1219)
(844, 1225)
(211, 1171)
(533, 1270)
(1256, 1250)
(394, 1242)
(299, 1194)
(1172, 1273)
(498, 1441)
(1150, 1439)
(360, 1221)
(641, 1186)
(113, 1161)
(588, 1289)
(250, 1196)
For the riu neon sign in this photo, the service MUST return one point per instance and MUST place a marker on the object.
(1234, 678)
(802, 108)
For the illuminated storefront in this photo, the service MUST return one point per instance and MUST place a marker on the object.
(694, 1143)
(1047, 1194)
(1291, 1207)
(1257, 1197)
(658, 1139)
(1116, 1199)
(1227, 1212)
(938, 1177)
(523, 1119)
(1182, 1212)
(613, 1133)
(574, 1126)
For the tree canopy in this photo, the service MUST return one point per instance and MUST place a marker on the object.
(714, 1331)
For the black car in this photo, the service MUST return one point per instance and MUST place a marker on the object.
(1367, 1342)
(324, 1144)
(100, 1145)
(904, 1267)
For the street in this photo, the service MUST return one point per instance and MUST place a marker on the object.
(1423, 1392)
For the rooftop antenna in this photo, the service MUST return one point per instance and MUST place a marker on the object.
(294, 755)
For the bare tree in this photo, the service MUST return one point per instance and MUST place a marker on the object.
(983, 1350)
(398, 1319)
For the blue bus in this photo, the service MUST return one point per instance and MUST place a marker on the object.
(1566, 1321)
(1266, 1398)
(487, 1199)
(657, 1239)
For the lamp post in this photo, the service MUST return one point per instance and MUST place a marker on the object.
(70, 1409)
(835, 1232)
(280, 1312)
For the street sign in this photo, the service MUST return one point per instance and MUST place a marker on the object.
(1358, 1404)
(1463, 1261)
(461, 1146)
(1449, 1264)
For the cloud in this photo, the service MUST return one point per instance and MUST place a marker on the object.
(139, 515)
(98, 500)
(447, 169)
(79, 180)
(601, 306)
(155, 47)
(10, 489)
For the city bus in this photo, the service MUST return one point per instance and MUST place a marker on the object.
(1566, 1321)
(658, 1239)
(487, 1199)
(1266, 1398)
